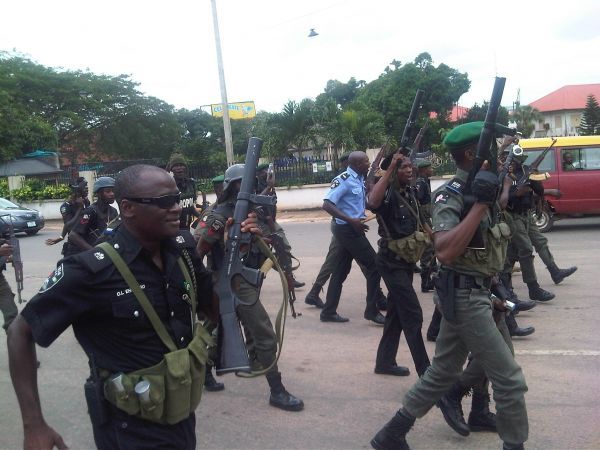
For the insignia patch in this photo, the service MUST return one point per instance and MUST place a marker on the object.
(99, 256)
(455, 184)
(180, 240)
(63, 209)
(335, 183)
(441, 198)
(53, 279)
(217, 225)
(344, 175)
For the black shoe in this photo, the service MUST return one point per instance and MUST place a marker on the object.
(313, 298)
(378, 318)
(520, 332)
(212, 385)
(286, 401)
(482, 421)
(381, 304)
(539, 294)
(333, 318)
(398, 371)
(516, 447)
(393, 435)
(560, 274)
(451, 407)
(523, 305)
(298, 284)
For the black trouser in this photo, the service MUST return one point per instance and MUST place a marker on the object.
(404, 313)
(354, 246)
(123, 431)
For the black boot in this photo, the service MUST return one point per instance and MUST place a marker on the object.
(502, 292)
(312, 298)
(381, 301)
(512, 447)
(425, 280)
(393, 435)
(280, 398)
(514, 328)
(539, 294)
(480, 417)
(298, 284)
(560, 274)
(210, 384)
(450, 405)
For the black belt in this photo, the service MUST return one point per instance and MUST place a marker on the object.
(470, 282)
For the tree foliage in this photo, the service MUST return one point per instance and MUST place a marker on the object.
(525, 117)
(590, 120)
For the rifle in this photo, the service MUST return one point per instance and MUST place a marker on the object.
(17, 262)
(404, 148)
(372, 173)
(533, 167)
(233, 356)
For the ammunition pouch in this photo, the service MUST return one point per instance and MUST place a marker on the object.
(490, 259)
(411, 247)
(176, 384)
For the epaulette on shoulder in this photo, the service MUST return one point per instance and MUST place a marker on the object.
(184, 240)
(94, 259)
(345, 176)
(456, 186)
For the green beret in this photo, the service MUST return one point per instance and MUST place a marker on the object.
(262, 166)
(177, 158)
(344, 156)
(218, 179)
(468, 133)
(422, 163)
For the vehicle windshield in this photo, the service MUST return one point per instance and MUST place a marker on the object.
(7, 204)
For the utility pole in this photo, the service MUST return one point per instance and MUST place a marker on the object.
(226, 122)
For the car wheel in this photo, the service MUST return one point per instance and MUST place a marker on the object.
(544, 220)
(31, 232)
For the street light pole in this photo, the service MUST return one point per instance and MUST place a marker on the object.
(226, 122)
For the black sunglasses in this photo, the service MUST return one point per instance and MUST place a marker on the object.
(163, 202)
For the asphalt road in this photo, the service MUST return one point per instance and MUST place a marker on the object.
(331, 366)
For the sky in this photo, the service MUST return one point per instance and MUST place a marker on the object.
(168, 47)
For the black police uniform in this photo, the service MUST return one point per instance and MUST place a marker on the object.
(187, 187)
(67, 211)
(404, 312)
(87, 292)
(92, 225)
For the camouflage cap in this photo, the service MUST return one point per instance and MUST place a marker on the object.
(176, 158)
(468, 133)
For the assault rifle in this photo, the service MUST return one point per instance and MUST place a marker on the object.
(233, 356)
(404, 141)
(530, 171)
(17, 262)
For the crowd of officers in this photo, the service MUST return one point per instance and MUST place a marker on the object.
(135, 288)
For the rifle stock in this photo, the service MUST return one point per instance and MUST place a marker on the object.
(233, 356)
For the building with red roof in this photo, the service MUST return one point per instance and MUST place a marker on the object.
(562, 109)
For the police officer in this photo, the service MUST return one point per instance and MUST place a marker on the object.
(187, 186)
(95, 219)
(423, 193)
(116, 329)
(331, 260)
(463, 290)
(252, 314)
(346, 201)
(71, 210)
(400, 220)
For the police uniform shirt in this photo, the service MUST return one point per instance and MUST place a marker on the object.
(93, 222)
(187, 187)
(347, 193)
(398, 218)
(68, 208)
(88, 292)
(423, 190)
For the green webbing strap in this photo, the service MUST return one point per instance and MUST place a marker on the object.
(157, 324)
(186, 274)
(281, 314)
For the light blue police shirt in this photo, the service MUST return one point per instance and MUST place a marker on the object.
(347, 193)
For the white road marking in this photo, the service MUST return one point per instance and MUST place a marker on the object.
(558, 352)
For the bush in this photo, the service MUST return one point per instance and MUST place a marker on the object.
(35, 190)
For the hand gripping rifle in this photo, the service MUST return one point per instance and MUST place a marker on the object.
(404, 141)
(233, 356)
(530, 172)
(17, 262)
